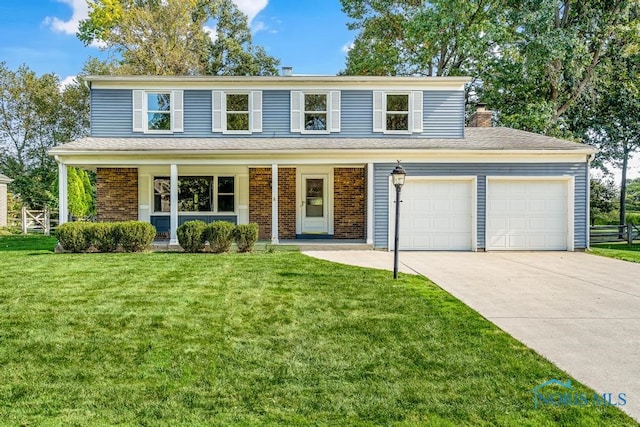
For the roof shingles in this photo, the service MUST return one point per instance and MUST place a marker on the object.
(481, 139)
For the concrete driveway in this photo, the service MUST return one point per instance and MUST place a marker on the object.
(580, 311)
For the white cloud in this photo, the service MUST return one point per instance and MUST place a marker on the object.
(347, 47)
(251, 8)
(80, 11)
(259, 26)
(69, 80)
(211, 32)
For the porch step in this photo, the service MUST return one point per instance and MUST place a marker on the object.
(292, 245)
(326, 245)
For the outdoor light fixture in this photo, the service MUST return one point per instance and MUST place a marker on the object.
(397, 177)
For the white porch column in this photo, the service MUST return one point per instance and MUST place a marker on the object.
(63, 203)
(370, 204)
(274, 205)
(173, 223)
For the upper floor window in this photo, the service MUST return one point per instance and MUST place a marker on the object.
(315, 112)
(157, 111)
(236, 112)
(397, 112)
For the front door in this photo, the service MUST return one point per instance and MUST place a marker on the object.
(314, 204)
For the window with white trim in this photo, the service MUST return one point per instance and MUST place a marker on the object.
(236, 111)
(397, 112)
(315, 111)
(158, 111)
(210, 194)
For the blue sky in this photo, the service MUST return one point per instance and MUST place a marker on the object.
(310, 36)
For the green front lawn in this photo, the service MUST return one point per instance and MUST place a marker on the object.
(619, 250)
(266, 338)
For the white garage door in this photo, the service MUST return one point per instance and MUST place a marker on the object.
(527, 215)
(435, 215)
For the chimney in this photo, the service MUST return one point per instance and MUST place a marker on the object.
(481, 118)
(287, 71)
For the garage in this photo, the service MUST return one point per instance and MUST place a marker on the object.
(436, 214)
(528, 214)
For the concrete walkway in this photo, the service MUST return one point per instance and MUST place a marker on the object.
(580, 311)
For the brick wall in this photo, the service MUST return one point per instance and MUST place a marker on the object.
(117, 194)
(481, 118)
(3, 205)
(287, 203)
(349, 203)
(260, 200)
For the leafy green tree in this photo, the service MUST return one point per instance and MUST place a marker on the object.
(633, 195)
(603, 198)
(35, 115)
(412, 37)
(608, 118)
(175, 40)
(552, 57)
(79, 192)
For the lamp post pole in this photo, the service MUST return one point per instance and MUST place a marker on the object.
(397, 235)
(397, 178)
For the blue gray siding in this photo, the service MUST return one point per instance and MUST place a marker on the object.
(111, 115)
(577, 170)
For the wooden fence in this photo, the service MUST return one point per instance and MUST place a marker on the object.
(40, 221)
(614, 233)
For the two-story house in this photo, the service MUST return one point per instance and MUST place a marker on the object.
(310, 157)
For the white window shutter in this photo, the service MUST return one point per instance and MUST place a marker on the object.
(138, 111)
(378, 111)
(416, 111)
(217, 99)
(256, 110)
(177, 111)
(334, 102)
(296, 111)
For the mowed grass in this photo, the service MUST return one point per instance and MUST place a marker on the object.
(618, 250)
(253, 339)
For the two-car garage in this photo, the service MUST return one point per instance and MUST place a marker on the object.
(526, 213)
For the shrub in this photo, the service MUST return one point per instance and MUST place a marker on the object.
(74, 236)
(220, 236)
(105, 236)
(245, 236)
(191, 236)
(135, 236)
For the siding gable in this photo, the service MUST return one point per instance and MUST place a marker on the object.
(443, 115)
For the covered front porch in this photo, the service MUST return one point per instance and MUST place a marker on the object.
(308, 205)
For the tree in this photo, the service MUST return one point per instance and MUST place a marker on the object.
(412, 37)
(79, 192)
(232, 53)
(35, 115)
(552, 57)
(607, 118)
(167, 37)
(633, 195)
(603, 198)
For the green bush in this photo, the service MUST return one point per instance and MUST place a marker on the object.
(135, 236)
(220, 236)
(245, 236)
(75, 236)
(633, 217)
(105, 236)
(191, 236)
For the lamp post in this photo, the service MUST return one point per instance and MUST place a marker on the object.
(397, 177)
